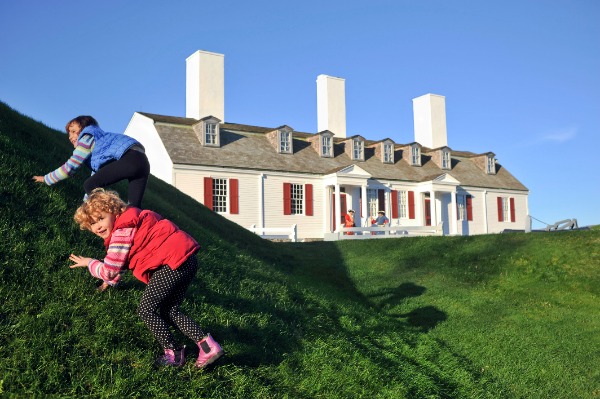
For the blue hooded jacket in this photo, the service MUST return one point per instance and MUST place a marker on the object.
(107, 147)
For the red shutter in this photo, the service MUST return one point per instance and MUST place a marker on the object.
(512, 209)
(469, 208)
(394, 204)
(234, 203)
(309, 199)
(381, 196)
(287, 198)
(208, 192)
(411, 204)
(500, 211)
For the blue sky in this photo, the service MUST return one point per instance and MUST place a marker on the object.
(521, 78)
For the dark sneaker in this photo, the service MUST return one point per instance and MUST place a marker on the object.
(175, 358)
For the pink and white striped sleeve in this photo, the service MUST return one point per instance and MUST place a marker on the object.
(116, 257)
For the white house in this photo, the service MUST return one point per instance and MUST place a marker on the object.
(276, 177)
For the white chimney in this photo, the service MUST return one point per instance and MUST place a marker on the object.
(331, 105)
(430, 120)
(205, 85)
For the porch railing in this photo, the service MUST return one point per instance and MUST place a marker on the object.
(370, 232)
(274, 233)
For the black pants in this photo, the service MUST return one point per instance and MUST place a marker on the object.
(159, 307)
(133, 166)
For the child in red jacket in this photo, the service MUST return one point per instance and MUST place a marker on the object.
(160, 255)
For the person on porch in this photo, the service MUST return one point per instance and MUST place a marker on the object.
(380, 221)
(349, 221)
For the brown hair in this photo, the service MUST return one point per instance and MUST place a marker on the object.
(100, 200)
(83, 121)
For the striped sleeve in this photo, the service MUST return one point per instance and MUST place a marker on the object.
(83, 150)
(116, 257)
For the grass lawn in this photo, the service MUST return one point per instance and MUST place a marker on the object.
(493, 316)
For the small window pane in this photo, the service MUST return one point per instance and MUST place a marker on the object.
(387, 153)
(490, 165)
(357, 147)
(445, 160)
(210, 131)
(326, 145)
(372, 200)
(462, 206)
(220, 195)
(415, 155)
(402, 204)
(297, 199)
(284, 142)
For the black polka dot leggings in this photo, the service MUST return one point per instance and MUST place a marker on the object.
(159, 307)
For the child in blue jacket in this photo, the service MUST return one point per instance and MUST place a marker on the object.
(112, 157)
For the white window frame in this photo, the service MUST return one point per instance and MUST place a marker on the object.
(297, 199)
(462, 207)
(415, 155)
(358, 149)
(326, 145)
(220, 194)
(491, 165)
(372, 202)
(285, 142)
(388, 153)
(403, 204)
(505, 210)
(445, 159)
(210, 134)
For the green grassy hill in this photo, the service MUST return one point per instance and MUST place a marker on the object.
(498, 316)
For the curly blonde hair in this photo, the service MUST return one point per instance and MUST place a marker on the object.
(100, 200)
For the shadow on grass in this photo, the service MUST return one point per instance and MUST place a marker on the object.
(265, 300)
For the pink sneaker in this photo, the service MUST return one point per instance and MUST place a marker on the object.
(171, 358)
(210, 351)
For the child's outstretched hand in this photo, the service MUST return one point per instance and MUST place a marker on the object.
(38, 179)
(80, 261)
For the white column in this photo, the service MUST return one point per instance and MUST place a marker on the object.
(453, 214)
(326, 210)
(432, 208)
(365, 210)
(338, 206)
(388, 203)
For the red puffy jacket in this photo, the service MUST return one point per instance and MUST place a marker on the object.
(157, 241)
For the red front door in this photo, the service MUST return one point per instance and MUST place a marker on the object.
(427, 212)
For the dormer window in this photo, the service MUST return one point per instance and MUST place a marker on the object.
(210, 134)
(358, 150)
(207, 131)
(281, 139)
(285, 141)
(388, 153)
(486, 162)
(491, 165)
(446, 160)
(415, 155)
(326, 145)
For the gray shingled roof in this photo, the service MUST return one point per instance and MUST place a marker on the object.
(247, 147)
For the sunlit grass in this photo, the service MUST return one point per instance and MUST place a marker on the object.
(496, 316)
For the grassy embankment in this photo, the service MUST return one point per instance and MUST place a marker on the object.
(497, 316)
